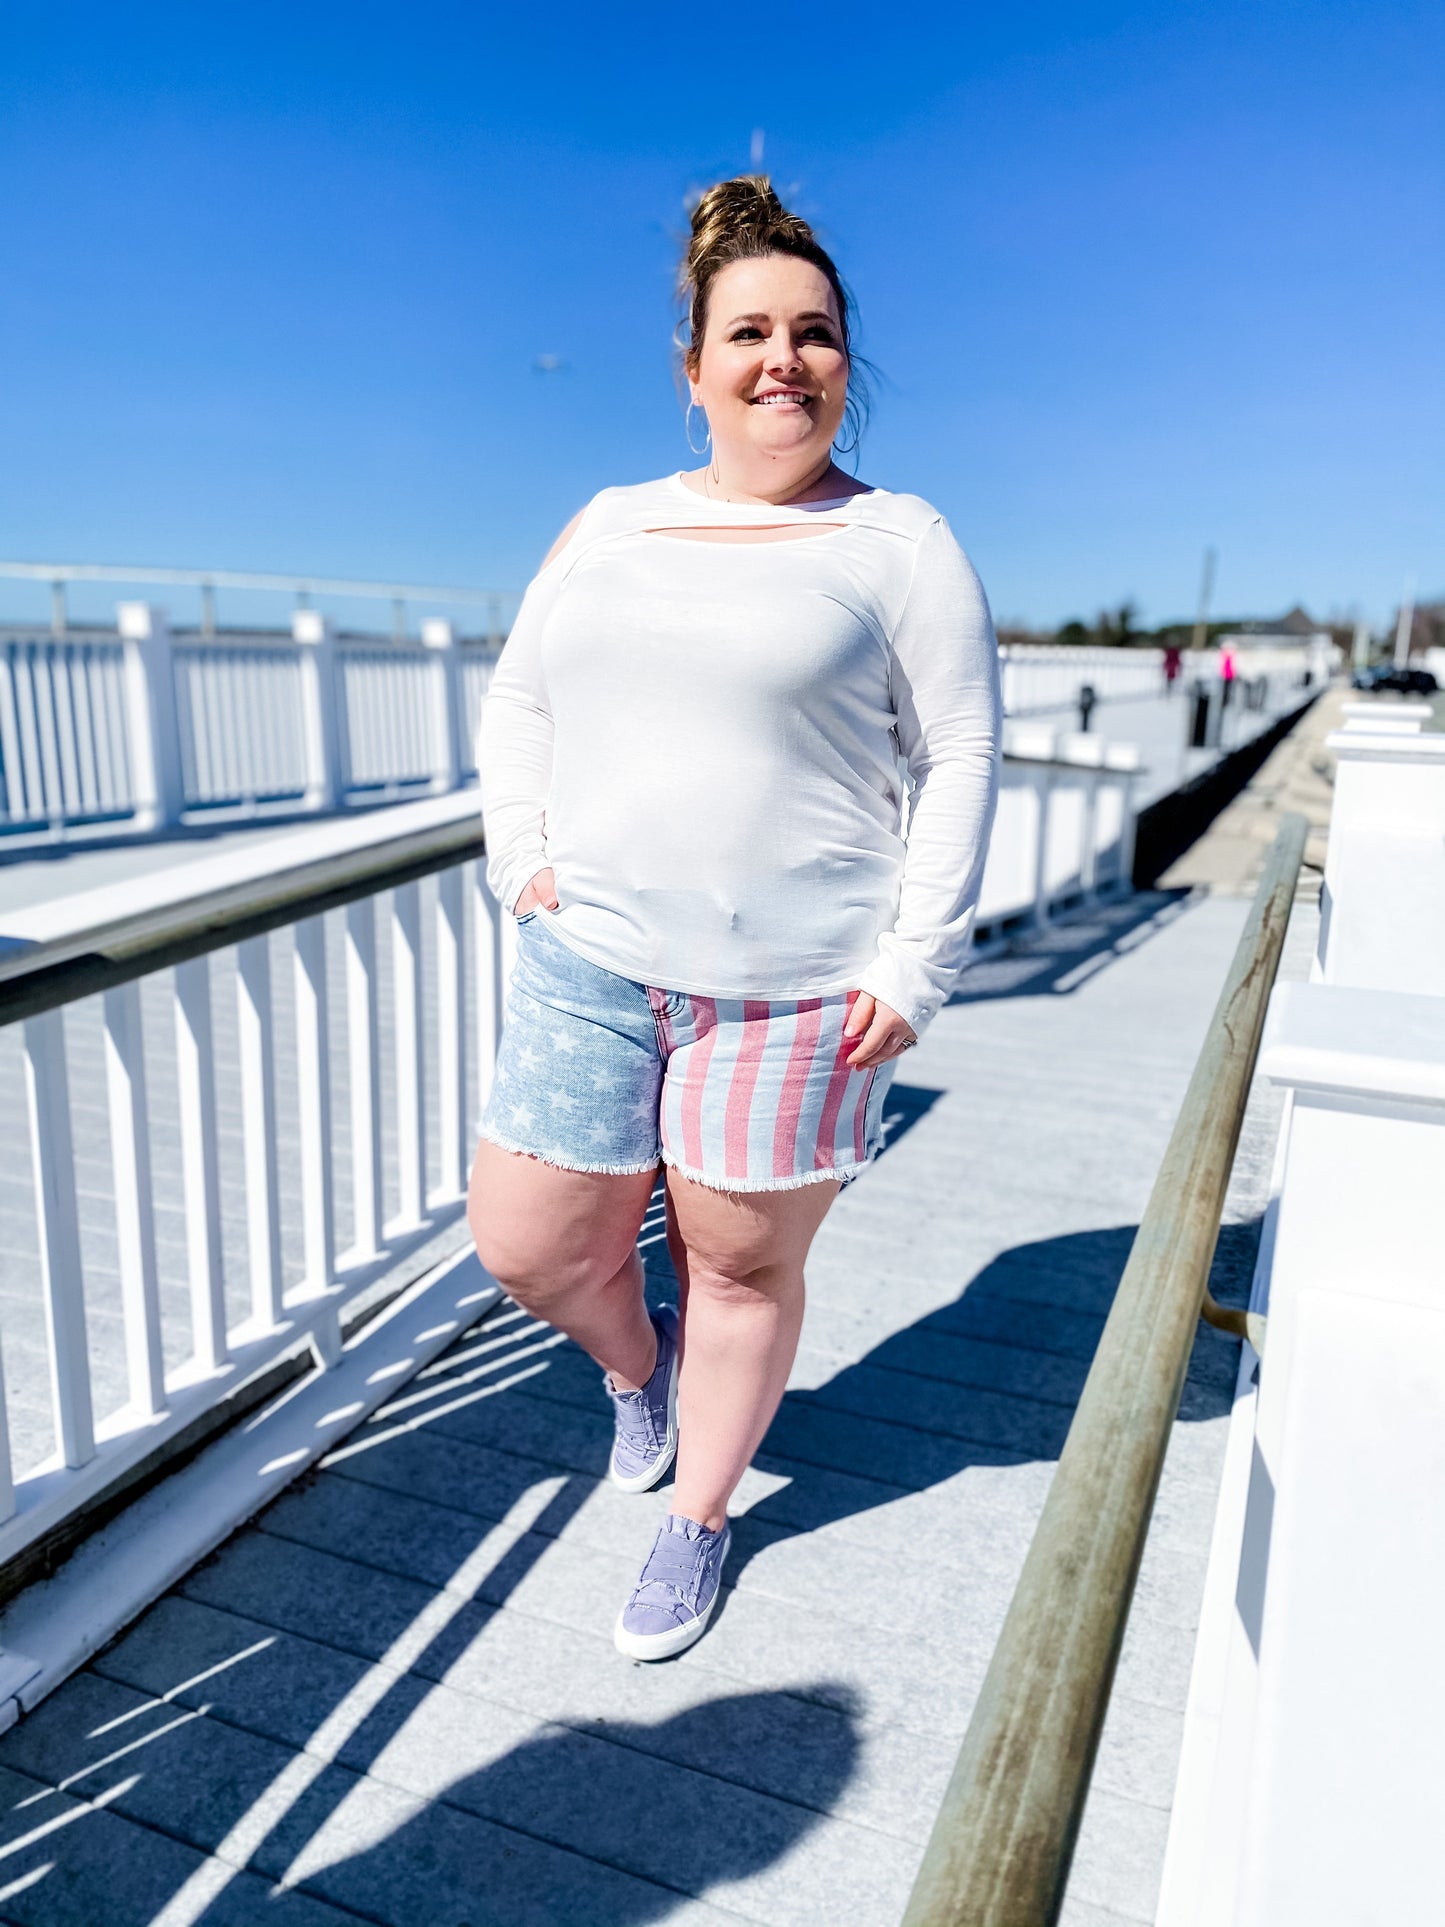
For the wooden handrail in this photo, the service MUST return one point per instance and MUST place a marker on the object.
(1001, 1847)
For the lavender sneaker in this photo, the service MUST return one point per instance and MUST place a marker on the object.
(676, 1591)
(646, 1422)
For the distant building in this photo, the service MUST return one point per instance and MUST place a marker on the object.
(1295, 625)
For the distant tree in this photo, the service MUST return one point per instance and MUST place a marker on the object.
(1074, 631)
(1118, 628)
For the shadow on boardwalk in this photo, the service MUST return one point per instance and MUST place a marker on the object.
(310, 1700)
(1059, 960)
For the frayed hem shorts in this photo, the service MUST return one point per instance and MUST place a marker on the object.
(597, 1073)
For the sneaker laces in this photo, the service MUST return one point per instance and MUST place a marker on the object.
(675, 1568)
(634, 1417)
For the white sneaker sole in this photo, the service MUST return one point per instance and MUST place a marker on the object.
(667, 1645)
(655, 1473)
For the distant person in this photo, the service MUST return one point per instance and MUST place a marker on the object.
(690, 784)
(1173, 663)
(1226, 671)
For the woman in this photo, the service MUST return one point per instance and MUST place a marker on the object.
(693, 803)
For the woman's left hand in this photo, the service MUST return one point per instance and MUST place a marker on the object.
(883, 1032)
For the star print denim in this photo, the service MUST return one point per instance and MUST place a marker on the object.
(597, 1073)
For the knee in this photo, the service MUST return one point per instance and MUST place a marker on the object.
(536, 1268)
(735, 1279)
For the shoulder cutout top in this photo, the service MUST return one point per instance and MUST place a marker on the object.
(712, 745)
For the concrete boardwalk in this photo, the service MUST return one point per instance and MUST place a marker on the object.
(395, 1698)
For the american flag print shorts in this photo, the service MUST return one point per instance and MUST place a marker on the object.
(598, 1073)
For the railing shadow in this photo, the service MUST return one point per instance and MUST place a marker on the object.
(1058, 959)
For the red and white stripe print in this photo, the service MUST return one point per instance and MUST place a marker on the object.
(759, 1092)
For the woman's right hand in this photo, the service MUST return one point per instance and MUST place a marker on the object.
(541, 890)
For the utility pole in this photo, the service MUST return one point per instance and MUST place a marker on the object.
(1206, 591)
(1406, 625)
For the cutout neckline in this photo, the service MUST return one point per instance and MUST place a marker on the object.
(762, 510)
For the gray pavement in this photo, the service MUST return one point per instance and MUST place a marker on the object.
(394, 1698)
(31, 876)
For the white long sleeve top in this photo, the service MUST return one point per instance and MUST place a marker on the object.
(707, 741)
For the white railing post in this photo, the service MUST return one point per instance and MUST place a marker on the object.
(489, 980)
(257, 1040)
(153, 723)
(322, 695)
(448, 723)
(363, 1038)
(130, 1152)
(451, 1034)
(313, 1074)
(410, 1091)
(1087, 752)
(200, 1161)
(1124, 758)
(61, 1285)
(1043, 790)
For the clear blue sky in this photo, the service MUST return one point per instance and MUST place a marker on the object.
(1139, 277)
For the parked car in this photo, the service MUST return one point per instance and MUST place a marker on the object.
(1385, 678)
(1409, 682)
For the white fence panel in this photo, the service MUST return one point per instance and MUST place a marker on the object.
(141, 731)
(261, 1127)
(1039, 677)
(1011, 875)
(64, 757)
(389, 709)
(146, 730)
(239, 707)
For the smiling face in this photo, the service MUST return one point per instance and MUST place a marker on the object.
(771, 372)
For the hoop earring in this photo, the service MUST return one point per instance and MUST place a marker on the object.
(851, 448)
(687, 429)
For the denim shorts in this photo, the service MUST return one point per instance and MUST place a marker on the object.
(598, 1073)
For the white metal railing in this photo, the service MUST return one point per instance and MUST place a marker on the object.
(65, 749)
(144, 730)
(239, 711)
(1040, 677)
(1064, 829)
(364, 982)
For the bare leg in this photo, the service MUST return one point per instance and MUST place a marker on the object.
(564, 1245)
(739, 1258)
